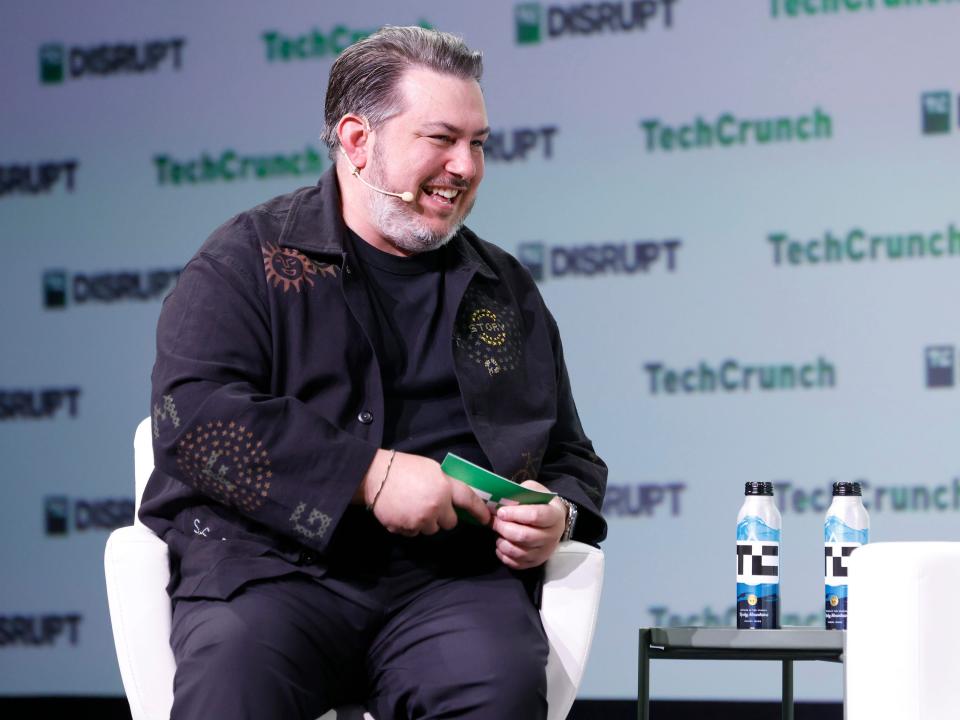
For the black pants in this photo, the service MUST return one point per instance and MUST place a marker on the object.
(404, 645)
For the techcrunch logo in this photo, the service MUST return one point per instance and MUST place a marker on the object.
(941, 365)
(315, 43)
(509, 145)
(665, 616)
(230, 165)
(59, 287)
(58, 62)
(728, 130)
(732, 376)
(857, 245)
(938, 498)
(37, 178)
(625, 258)
(935, 112)
(534, 20)
(801, 8)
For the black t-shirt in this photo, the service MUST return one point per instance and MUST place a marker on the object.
(424, 413)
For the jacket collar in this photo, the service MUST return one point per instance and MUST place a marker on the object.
(314, 224)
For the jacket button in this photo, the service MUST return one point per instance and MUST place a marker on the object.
(366, 417)
(307, 558)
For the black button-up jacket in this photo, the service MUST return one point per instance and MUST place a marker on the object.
(267, 401)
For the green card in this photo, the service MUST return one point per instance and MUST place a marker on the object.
(494, 490)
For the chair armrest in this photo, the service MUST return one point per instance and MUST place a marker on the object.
(573, 580)
(142, 464)
(137, 569)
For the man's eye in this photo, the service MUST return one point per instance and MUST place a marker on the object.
(478, 143)
(442, 138)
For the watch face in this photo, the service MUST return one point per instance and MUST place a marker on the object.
(571, 520)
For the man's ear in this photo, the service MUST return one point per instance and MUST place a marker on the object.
(353, 134)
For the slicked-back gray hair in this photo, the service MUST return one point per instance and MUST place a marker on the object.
(364, 79)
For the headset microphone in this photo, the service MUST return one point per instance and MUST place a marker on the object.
(406, 196)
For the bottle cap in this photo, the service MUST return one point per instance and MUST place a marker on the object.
(846, 488)
(758, 488)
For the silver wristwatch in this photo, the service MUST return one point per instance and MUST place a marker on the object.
(571, 519)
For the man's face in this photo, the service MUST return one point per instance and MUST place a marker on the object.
(434, 149)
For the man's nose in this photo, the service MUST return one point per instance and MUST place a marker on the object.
(464, 161)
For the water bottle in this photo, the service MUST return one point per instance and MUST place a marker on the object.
(758, 559)
(846, 527)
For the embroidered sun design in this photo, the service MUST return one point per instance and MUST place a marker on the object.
(287, 267)
(225, 461)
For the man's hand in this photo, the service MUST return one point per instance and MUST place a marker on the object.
(417, 497)
(529, 533)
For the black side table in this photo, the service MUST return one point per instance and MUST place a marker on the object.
(693, 643)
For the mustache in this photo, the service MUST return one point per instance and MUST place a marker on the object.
(454, 182)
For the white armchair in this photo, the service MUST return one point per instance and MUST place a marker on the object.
(137, 572)
(902, 654)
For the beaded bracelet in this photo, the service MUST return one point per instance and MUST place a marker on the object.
(382, 482)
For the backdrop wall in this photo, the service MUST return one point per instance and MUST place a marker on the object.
(743, 215)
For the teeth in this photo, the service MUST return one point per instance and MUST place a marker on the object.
(448, 194)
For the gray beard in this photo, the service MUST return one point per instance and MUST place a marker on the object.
(403, 228)
(399, 224)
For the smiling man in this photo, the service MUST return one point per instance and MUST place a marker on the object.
(320, 356)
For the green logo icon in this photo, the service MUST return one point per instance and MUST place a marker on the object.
(51, 64)
(531, 255)
(935, 109)
(527, 16)
(55, 289)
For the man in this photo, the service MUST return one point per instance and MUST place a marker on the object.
(318, 358)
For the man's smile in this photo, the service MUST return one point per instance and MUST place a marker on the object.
(444, 193)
